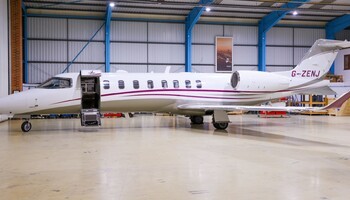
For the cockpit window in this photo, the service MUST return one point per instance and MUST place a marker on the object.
(56, 83)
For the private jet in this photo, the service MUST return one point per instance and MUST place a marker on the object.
(91, 92)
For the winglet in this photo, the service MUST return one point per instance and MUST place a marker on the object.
(338, 102)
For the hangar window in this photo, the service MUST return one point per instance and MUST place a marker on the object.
(121, 84)
(105, 84)
(164, 84)
(56, 83)
(150, 84)
(176, 84)
(199, 83)
(188, 83)
(136, 84)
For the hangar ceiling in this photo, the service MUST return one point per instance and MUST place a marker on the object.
(314, 12)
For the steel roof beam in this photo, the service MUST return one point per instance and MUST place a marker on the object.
(266, 23)
(336, 25)
(190, 21)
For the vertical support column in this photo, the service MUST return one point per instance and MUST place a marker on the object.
(188, 50)
(190, 21)
(16, 45)
(266, 23)
(108, 39)
(25, 43)
(330, 35)
(261, 50)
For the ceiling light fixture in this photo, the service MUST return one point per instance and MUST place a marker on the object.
(207, 9)
(295, 13)
(112, 4)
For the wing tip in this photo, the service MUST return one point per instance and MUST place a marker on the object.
(338, 102)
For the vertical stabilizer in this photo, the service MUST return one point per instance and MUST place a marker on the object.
(317, 61)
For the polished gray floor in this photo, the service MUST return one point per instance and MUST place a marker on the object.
(155, 157)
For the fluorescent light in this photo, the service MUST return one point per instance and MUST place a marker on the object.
(207, 9)
(112, 4)
(295, 12)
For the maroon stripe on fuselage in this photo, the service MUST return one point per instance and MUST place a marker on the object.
(178, 90)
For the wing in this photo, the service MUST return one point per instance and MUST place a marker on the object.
(335, 104)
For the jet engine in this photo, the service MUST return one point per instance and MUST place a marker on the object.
(258, 81)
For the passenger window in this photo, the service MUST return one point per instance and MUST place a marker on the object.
(106, 84)
(199, 83)
(121, 84)
(136, 84)
(176, 84)
(188, 83)
(150, 84)
(164, 84)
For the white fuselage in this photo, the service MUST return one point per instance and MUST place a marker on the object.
(193, 88)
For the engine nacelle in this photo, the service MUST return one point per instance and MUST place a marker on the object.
(258, 81)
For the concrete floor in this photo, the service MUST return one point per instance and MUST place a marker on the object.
(149, 157)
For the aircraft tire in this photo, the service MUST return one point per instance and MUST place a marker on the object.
(26, 126)
(220, 126)
(197, 119)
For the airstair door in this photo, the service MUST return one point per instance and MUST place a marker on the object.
(90, 97)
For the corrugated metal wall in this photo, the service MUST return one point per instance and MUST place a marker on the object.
(150, 46)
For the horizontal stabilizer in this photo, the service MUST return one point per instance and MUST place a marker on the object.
(319, 91)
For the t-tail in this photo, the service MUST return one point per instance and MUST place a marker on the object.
(316, 63)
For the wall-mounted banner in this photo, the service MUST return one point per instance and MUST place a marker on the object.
(223, 54)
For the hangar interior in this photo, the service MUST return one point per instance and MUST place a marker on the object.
(167, 157)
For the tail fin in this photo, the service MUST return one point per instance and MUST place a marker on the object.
(318, 60)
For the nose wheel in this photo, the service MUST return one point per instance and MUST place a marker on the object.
(26, 126)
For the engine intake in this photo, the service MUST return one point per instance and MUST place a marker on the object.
(258, 81)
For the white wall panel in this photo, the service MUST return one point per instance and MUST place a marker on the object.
(343, 35)
(245, 55)
(47, 28)
(203, 69)
(129, 52)
(307, 36)
(279, 56)
(40, 72)
(251, 68)
(84, 29)
(47, 50)
(299, 54)
(161, 32)
(4, 51)
(79, 67)
(166, 53)
(203, 54)
(278, 69)
(130, 68)
(242, 34)
(279, 36)
(161, 68)
(204, 33)
(128, 31)
(94, 52)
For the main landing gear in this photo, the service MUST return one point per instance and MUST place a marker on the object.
(197, 119)
(26, 126)
(220, 119)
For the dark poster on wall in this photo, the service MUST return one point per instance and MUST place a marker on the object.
(347, 62)
(224, 46)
